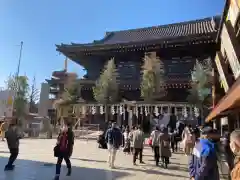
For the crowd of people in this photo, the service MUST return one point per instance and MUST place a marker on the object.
(199, 144)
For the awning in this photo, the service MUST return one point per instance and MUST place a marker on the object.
(230, 101)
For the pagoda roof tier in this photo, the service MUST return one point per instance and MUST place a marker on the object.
(62, 73)
(196, 31)
(54, 81)
(59, 74)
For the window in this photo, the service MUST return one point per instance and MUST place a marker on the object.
(179, 67)
(129, 69)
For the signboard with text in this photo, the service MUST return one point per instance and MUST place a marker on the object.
(6, 103)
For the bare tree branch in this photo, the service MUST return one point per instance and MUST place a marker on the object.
(33, 97)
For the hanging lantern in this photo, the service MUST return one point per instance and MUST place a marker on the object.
(101, 110)
(185, 114)
(156, 110)
(113, 110)
(196, 112)
(121, 109)
(93, 109)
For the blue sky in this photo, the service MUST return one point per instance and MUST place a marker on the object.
(41, 24)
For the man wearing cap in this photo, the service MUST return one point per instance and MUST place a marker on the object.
(203, 162)
(113, 138)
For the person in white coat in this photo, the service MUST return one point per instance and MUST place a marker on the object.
(155, 144)
(188, 140)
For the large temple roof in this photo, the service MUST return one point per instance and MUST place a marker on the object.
(163, 34)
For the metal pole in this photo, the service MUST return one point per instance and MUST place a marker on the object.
(17, 73)
(19, 60)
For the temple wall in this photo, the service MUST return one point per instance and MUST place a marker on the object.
(44, 100)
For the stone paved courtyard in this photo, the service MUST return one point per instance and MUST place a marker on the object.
(89, 163)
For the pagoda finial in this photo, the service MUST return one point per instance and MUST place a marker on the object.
(66, 64)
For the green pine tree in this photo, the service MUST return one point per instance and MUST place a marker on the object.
(19, 85)
(200, 93)
(152, 78)
(106, 88)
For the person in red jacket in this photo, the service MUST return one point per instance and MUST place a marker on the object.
(64, 149)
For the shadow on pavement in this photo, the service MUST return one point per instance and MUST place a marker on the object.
(156, 172)
(7, 152)
(179, 152)
(178, 168)
(89, 160)
(148, 155)
(179, 164)
(28, 170)
(171, 158)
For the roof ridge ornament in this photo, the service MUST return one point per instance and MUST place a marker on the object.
(213, 23)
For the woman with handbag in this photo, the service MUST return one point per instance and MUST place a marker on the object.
(164, 146)
(63, 150)
(188, 140)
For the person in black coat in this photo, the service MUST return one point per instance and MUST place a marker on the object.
(101, 140)
(64, 149)
(13, 136)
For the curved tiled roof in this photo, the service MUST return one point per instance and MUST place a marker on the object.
(197, 27)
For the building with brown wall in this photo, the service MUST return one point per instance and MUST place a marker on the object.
(228, 66)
